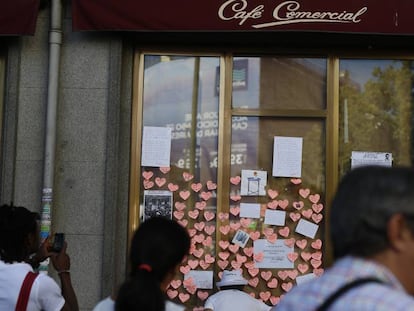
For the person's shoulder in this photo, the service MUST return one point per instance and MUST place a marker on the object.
(107, 304)
(171, 306)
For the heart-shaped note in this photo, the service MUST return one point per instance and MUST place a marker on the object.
(172, 187)
(187, 176)
(272, 283)
(165, 169)
(147, 174)
(272, 193)
(304, 193)
(196, 187)
(235, 180)
(160, 181)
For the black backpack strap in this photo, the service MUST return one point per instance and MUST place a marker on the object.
(324, 306)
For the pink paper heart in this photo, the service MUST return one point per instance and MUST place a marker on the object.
(184, 194)
(282, 274)
(268, 231)
(307, 213)
(272, 238)
(236, 265)
(204, 265)
(160, 181)
(265, 296)
(294, 216)
(180, 206)
(274, 300)
(306, 256)
(298, 205)
(317, 244)
(185, 269)
(147, 174)
(272, 283)
(198, 252)
(287, 286)
(316, 263)
(211, 185)
(196, 187)
(191, 232)
(222, 264)
(253, 271)
(235, 210)
(148, 184)
(245, 222)
(314, 198)
(209, 259)
(273, 204)
(240, 258)
(183, 222)
(191, 289)
(234, 248)
(235, 225)
(224, 244)
(208, 241)
(301, 243)
(292, 256)
(209, 229)
(235, 180)
(201, 205)
(209, 215)
(317, 218)
(317, 255)
(193, 214)
(200, 225)
(253, 282)
(165, 169)
(202, 295)
(172, 293)
(172, 187)
(187, 176)
(235, 197)
(224, 255)
(178, 214)
(266, 275)
(199, 238)
(206, 195)
(193, 263)
(272, 193)
(248, 251)
(183, 297)
(284, 231)
(303, 267)
(290, 242)
(317, 208)
(296, 181)
(175, 283)
(283, 203)
(225, 229)
(304, 193)
(292, 274)
(249, 264)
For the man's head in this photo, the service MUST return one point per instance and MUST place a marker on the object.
(18, 233)
(366, 200)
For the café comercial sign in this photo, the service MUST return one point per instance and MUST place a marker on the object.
(357, 16)
(287, 12)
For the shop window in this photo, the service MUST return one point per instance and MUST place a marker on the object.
(224, 118)
(376, 112)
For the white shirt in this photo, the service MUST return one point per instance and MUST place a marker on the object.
(234, 300)
(109, 305)
(44, 295)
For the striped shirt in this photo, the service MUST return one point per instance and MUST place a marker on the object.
(368, 297)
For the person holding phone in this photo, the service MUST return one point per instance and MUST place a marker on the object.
(19, 254)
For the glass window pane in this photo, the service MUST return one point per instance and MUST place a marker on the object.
(376, 109)
(180, 93)
(279, 83)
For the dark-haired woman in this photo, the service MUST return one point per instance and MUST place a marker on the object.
(157, 248)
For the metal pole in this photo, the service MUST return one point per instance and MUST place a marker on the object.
(55, 42)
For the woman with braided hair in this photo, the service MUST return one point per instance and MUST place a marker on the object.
(157, 248)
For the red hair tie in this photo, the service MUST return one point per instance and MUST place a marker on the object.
(144, 266)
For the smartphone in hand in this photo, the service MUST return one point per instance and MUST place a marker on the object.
(58, 241)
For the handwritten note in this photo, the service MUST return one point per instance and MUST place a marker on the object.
(307, 228)
(250, 210)
(156, 146)
(274, 254)
(202, 279)
(287, 156)
(276, 218)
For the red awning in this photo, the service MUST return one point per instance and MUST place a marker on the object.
(18, 17)
(351, 16)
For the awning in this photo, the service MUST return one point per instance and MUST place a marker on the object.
(18, 17)
(350, 16)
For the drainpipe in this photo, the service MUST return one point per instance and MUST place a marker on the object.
(55, 42)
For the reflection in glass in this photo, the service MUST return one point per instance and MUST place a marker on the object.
(376, 108)
(279, 83)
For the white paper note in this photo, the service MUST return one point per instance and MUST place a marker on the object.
(276, 218)
(307, 228)
(156, 146)
(287, 156)
(250, 210)
(275, 254)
